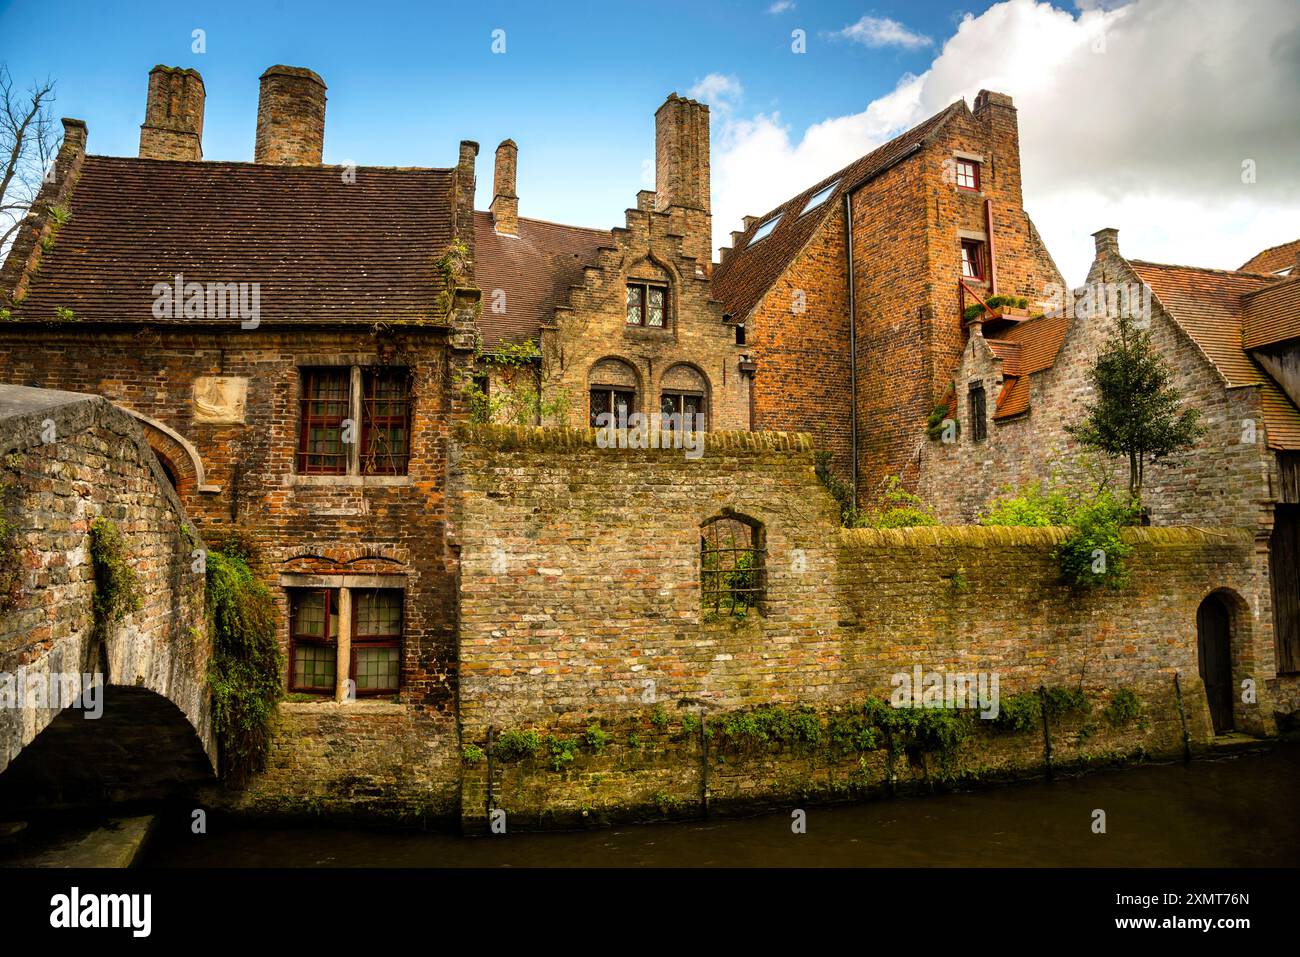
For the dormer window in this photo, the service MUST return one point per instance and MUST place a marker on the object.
(647, 305)
(968, 175)
(765, 228)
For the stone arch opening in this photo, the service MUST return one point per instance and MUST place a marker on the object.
(140, 748)
(177, 455)
(732, 565)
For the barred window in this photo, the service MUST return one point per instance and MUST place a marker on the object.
(323, 409)
(385, 422)
(978, 412)
(731, 566)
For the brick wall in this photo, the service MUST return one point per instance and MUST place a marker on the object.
(580, 584)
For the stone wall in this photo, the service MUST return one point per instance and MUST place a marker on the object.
(580, 612)
(66, 460)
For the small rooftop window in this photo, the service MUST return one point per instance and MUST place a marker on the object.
(765, 228)
(820, 196)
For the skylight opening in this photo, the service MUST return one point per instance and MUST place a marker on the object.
(820, 197)
(765, 228)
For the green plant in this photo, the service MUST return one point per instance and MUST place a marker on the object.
(117, 590)
(1034, 505)
(563, 751)
(1019, 712)
(472, 754)
(975, 310)
(6, 315)
(842, 494)
(894, 507)
(514, 745)
(60, 215)
(512, 395)
(246, 665)
(633, 740)
(1124, 708)
(690, 725)
(64, 314)
(1061, 701)
(11, 568)
(774, 724)
(659, 717)
(1136, 413)
(595, 738)
(941, 414)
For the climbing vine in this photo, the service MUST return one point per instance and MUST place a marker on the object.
(246, 665)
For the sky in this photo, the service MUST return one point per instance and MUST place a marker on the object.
(1175, 121)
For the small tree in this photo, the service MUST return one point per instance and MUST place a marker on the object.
(28, 144)
(1136, 413)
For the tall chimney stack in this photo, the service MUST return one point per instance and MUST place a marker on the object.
(290, 117)
(505, 201)
(173, 115)
(682, 175)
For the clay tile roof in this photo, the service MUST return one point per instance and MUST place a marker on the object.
(321, 249)
(749, 270)
(1272, 314)
(534, 269)
(1025, 348)
(1273, 259)
(1209, 305)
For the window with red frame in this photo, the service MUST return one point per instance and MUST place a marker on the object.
(972, 259)
(376, 640)
(323, 409)
(313, 637)
(968, 174)
(385, 422)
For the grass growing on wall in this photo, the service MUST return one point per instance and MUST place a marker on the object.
(117, 591)
(244, 674)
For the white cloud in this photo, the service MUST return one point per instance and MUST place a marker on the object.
(1137, 117)
(883, 32)
(781, 6)
(718, 90)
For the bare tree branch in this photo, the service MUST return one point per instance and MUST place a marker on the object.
(28, 144)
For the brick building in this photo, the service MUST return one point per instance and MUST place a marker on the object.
(625, 319)
(849, 294)
(285, 333)
(1231, 338)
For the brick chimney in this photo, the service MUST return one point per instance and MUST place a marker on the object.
(682, 154)
(996, 113)
(290, 117)
(505, 201)
(173, 115)
(1107, 241)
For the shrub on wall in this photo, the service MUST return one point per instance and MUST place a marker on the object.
(894, 507)
(117, 591)
(246, 665)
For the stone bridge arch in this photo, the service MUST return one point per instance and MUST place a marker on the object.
(69, 459)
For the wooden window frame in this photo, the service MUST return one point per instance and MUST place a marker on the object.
(681, 394)
(398, 463)
(325, 641)
(376, 641)
(643, 287)
(974, 167)
(307, 377)
(976, 259)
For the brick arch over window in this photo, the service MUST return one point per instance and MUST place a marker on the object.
(732, 565)
(179, 458)
(686, 388)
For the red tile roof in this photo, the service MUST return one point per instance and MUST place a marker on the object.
(1209, 305)
(534, 270)
(321, 249)
(1272, 314)
(1273, 259)
(1025, 348)
(750, 269)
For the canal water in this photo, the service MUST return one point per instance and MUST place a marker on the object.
(1236, 811)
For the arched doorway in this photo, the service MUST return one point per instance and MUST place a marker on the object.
(1214, 657)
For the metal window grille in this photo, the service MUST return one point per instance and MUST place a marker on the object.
(731, 567)
(323, 407)
(385, 422)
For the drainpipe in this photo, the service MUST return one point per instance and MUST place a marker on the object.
(993, 249)
(853, 339)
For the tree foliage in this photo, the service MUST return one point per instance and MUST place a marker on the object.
(1137, 414)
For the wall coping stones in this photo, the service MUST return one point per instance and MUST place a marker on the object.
(1003, 536)
(555, 438)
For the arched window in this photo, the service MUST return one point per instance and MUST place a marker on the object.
(613, 388)
(649, 299)
(731, 565)
(684, 391)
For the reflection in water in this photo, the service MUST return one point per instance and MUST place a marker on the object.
(1226, 812)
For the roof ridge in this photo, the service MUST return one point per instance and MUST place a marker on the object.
(1213, 269)
(210, 163)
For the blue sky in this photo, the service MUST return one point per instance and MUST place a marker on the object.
(576, 88)
(1136, 114)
